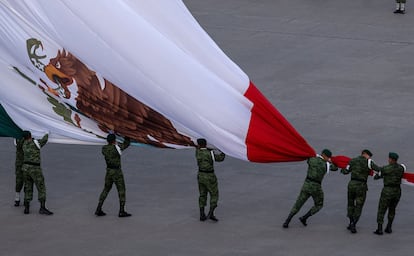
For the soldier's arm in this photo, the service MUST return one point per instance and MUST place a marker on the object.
(347, 170)
(43, 140)
(379, 171)
(333, 167)
(218, 156)
(126, 143)
(373, 166)
(19, 143)
(404, 167)
(377, 176)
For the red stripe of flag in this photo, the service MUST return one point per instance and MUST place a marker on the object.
(271, 138)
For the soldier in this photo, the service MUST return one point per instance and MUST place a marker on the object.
(317, 168)
(400, 6)
(18, 169)
(391, 193)
(207, 180)
(360, 168)
(33, 173)
(112, 153)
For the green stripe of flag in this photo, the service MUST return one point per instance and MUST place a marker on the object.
(7, 127)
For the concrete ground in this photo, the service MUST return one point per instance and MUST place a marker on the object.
(340, 71)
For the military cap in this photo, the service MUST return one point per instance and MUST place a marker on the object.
(366, 151)
(393, 156)
(111, 137)
(26, 134)
(201, 142)
(327, 152)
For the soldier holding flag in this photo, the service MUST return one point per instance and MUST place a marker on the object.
(33, 173)
(391, 193)
(207, 180)
(112, 153)
(317, 168)
(360, 168)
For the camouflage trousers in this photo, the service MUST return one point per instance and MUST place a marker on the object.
(309, 189)
(357, 193)
(33, 175)
(390, 196)
(19, 178)
(207, 184)
(114, 176)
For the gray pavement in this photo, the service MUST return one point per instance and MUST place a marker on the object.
(340, 71)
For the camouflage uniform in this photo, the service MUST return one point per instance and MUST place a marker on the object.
(357, 186)
(207, 180)
(113, 171)
(317, 168)
(19, 165)
(31, 170)
(391, 193)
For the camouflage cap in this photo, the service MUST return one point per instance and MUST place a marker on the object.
(327, 152)
(393, 156)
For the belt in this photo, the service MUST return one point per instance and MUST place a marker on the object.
(206, 171)
(360, 180)
(313, 180)
(113, 166)
(393, 186)
(32, 163)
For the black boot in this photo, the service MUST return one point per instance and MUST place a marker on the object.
(99, 211)
(287, 221)
(351, 220)
(305, 217)
(388, 229)
(352, 227)
(211, 214)
(397, 8)
(17, 203)
(122, 212)
(26, 208)
(203, 216)
(43, 209)
(379, 230)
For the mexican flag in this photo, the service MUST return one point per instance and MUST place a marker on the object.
(79, 70)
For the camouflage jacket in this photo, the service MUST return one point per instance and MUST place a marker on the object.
(317, 168)
(359, 169)
(205, 159)
(112, 156)
(391, 173)
(31, 151)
